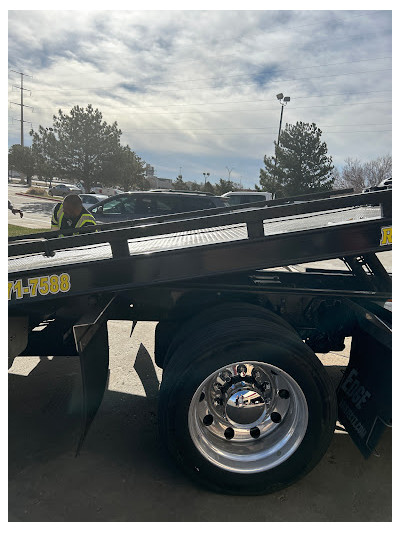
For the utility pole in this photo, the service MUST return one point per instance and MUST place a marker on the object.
(22, 102)
(229, 172)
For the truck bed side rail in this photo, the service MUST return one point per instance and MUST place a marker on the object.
(252, 217)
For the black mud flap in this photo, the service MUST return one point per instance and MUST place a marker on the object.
(91, 338)
(365, 392)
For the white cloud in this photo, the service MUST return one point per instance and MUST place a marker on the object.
(205, 81)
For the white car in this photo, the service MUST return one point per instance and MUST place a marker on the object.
(88, 200)
(63, 189)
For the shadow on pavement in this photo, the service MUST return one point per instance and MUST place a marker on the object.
(123, 473)
(37, 207)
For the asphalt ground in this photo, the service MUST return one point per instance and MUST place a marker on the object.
(37, 212)
(123, 473)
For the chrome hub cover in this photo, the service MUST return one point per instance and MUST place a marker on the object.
(245, 407)
(248, 417)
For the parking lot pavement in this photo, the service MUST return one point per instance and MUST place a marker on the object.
(37, 212)
(123, 473)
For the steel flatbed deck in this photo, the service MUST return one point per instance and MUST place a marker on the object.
(196, 245)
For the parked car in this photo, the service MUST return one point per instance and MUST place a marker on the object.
(62, 189)
(108, 191)
(140, 204)
(384, 184)
(89, 200)
(246, 197)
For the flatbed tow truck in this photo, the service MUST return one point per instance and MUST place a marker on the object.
(245, 405)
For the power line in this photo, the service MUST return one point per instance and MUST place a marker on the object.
(275, 72)
(245, 128)
(245, 131)
(225, 102)
(236, 111)
(271, 82)
(225, 77)
(251, 110)
(256, 82)
(273, 134)
(242, 128)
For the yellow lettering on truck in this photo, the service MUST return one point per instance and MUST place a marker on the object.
(42, 285)
(386, 236)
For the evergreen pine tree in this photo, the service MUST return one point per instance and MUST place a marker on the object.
(300, 165)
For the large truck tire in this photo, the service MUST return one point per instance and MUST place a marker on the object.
(214, 314)
(245, 407)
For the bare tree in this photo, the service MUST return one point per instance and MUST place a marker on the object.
(352, 175)
(378, 170)
(362, 175)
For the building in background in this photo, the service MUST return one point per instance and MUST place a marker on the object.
(159, 183)
(154, 181)
(149, 171)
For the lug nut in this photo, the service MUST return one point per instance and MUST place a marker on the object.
(226, 376)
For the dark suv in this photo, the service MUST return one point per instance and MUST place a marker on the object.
(140, 204)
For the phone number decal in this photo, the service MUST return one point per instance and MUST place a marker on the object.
(42, 286)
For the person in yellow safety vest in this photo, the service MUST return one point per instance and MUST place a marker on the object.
(71, 214)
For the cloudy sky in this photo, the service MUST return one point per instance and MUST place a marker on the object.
(195, 91)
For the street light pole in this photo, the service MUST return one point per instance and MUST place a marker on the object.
(205, 174)
(283, 100)
(280, 125)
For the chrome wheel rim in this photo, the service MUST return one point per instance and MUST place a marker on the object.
(248, 417)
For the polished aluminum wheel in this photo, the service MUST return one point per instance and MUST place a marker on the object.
(248, 417)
